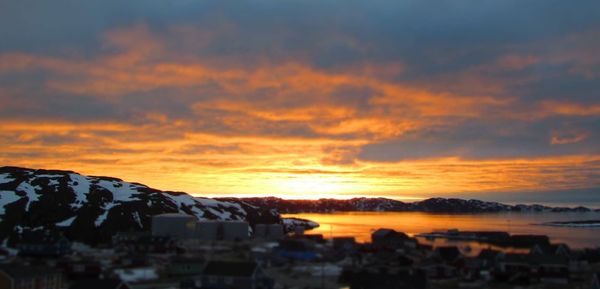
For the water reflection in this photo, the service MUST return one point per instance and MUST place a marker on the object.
(361, 224)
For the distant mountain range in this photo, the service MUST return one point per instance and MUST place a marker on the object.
(435, 205)
(92, 209)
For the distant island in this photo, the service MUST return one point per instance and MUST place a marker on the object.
(433, 205)
(581, 224)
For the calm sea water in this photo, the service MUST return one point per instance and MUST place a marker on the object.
(361, 224)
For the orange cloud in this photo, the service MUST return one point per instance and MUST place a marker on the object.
(568, 108)
(285, 127)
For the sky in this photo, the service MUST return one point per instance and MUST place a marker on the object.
(306, 99)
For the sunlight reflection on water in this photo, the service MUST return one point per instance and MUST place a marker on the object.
(361, 224)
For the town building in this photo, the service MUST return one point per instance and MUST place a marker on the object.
(179, 226)
(234, 274)
(268, 231)
(15, 276)
(43, 244)
(222, 230)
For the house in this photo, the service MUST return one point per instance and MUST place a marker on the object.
(525, 241)
(268, 231)
(127, 237)
(80, 269)
(551, 249)
(443, 263)
(296, 249)
(472, 270)
(152, 244)
(17, 276)
(344, 245)
(100, 284)
(141, 277)
(391, 239)
(514, 263)
(222, 230)
(145, 243)
(368, 278)
(434, 269)
(43, 244)
(446, 254)
(185, 266)
(535, 267)
(550, 268)
(488, 258)
(234, 274)
(316, 238)
(591, 256)
(174, 225)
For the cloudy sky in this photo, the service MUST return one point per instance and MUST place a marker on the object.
(407, 99)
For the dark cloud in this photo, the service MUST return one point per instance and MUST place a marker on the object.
(496, 140)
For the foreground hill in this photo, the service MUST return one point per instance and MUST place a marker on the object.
(92, 209)
(436, 205)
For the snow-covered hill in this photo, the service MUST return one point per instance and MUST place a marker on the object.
(92, 209)
(438, 205)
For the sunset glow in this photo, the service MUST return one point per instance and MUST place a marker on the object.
(207, 99)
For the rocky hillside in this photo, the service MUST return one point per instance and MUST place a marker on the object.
(437, 205)
(92, 209)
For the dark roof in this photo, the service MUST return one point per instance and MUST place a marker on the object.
(382, 232)
(387, 233)
(186, 260)
(551, 248)
(549, 260)
(448, 254)
(17, 271)
(529, 240)
(225, 268)
(516, 258)
(294, 245)
(99, 284)
(344, 239)
(42, 237)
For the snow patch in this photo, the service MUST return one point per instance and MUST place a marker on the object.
(291, 224)
(5, 178)
(136, 217)
(221, 215)
(219, 204)
(121, 191)
(48, 176)
(30, 191)
(188, 201)
(182, 200)
(214, 203)
(198, 212)
(101, 218)
(67, 222)
(319, 270)
(137, 274)
(7, 197)
(81, 188)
